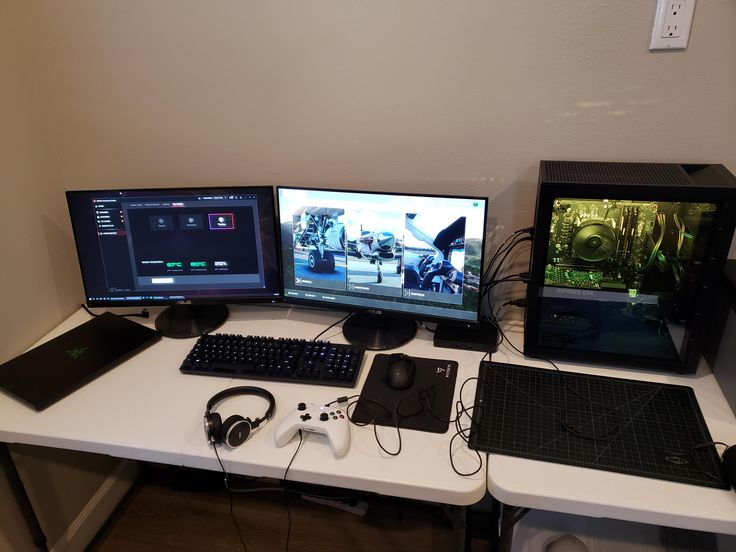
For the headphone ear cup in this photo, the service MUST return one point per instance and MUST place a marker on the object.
(235, 431)
(212, 426)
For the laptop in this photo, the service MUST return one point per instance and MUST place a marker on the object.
(53, 370)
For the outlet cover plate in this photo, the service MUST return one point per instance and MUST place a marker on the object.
(672, 23)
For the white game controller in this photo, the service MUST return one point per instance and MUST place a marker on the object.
(326, 420)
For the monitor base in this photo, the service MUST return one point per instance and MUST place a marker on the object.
(182, 321)
(378, 332)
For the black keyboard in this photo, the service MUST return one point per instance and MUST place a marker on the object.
(274, 359)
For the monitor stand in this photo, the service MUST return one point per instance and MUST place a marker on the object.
(190, 320)
(378, 331)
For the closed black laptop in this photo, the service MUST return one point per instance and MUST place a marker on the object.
(51, 371)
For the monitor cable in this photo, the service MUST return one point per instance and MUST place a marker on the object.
(143, 314)
(328, 328)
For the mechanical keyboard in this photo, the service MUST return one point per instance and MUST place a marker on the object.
(274, 359)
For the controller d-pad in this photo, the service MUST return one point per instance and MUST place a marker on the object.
(305, 417)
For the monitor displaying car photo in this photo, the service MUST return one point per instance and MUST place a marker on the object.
(414, 254)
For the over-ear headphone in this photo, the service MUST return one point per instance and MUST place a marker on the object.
(234, 431)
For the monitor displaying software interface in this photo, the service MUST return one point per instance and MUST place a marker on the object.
(199, 245)
(419, 255)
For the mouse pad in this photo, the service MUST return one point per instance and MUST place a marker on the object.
(628, 426)
(425, 406)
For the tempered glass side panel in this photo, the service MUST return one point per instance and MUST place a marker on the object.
(621, 275)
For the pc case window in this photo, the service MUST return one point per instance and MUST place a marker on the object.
(619, 274)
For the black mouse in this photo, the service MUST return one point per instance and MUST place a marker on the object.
(400, 370)
(728, 465)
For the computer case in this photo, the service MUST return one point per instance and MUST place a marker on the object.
(626, 260)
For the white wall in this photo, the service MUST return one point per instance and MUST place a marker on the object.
(411, 95)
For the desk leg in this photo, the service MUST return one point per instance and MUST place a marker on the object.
(510, 516)
(458, 516)
(26, 508)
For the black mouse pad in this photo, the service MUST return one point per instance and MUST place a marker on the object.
(425, 406)
(628, 426)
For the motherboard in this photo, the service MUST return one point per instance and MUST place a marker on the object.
(615, 244)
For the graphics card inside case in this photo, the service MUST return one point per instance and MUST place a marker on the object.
(626, 261)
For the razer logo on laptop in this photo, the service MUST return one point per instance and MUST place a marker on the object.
(76, 353)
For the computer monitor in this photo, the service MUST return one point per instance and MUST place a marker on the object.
(392, 258)
(195, 249)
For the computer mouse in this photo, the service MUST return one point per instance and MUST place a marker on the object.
(728, 465)
(400, 371)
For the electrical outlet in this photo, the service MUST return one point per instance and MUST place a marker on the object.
(672, 23)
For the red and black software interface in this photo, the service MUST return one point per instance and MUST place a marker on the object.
(169, 247)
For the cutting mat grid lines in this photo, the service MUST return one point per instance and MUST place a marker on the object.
(626, 426)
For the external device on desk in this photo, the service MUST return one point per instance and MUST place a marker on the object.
(400, 371)
(330, 421)
(195, 249)
(391, 258)
(236, 429)
(627, 426)
(484, 338)
(418, 391)
(274, 359)
(51, 371)
(626, 261)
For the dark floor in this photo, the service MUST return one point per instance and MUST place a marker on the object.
(178, 509)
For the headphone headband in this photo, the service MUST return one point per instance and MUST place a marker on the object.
(245, 390)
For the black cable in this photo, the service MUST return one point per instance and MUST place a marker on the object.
(328, 328)
(143, 314)
(527, 230)
(286, 494)
(230, 495)
(510, 248)
(708, 444)
(364, 404)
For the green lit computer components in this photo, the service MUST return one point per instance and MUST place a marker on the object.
(624, 261)
(617, 244)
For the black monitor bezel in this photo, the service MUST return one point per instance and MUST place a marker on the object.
(384, 311)
(274, 294)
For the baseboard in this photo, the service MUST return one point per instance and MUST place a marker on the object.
(94, 514)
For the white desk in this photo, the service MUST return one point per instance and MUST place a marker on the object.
(145, 409)
(596, 493)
